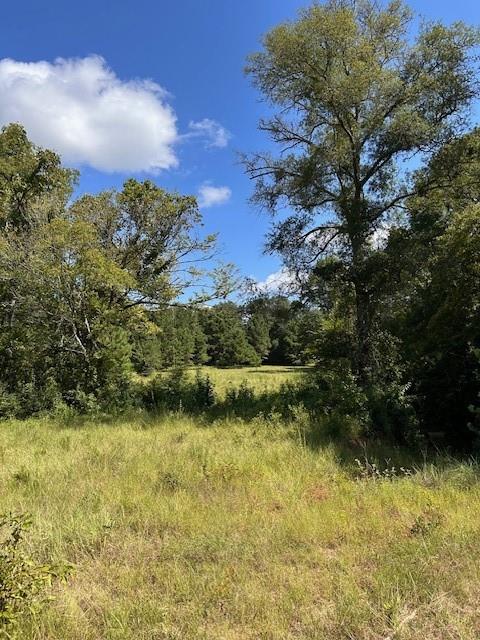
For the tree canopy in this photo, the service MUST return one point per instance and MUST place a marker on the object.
(355, 99)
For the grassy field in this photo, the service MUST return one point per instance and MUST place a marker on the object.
(187, 530)
(264, 378)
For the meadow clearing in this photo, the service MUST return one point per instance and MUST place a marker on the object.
(180, 528)
(264, 378)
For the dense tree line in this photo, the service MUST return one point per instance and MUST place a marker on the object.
(265, 330)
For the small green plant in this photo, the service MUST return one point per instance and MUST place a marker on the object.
(176, 392)
(23, 583)
(241, 397)
(169, 481)
(426, 522)
(204, 391)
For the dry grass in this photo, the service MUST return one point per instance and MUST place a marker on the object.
(180, 530)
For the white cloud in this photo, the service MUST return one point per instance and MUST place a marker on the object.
(280, 281)
(80, 108)
(210, 196)
(381, 234)
(211, 131)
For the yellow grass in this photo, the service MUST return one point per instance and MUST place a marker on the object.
(264, 378)
(184, 530)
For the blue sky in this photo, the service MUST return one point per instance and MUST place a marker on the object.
(195, 50)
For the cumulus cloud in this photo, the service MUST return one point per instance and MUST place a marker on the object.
(210, 131)
(80, 108)
(210, 196)
(281, 281)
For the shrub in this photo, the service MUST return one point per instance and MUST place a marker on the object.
(23, 583)
(29, 398)
(203, 391)
(176, 392)
(9, 403)
(241, 397)
(392, 413)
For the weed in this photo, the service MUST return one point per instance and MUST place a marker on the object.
(23, 583)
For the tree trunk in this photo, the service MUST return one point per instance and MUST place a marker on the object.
(363, 312)
(363, 354)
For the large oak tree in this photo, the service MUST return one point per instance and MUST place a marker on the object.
(354, 98)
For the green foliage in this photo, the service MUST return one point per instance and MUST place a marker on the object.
(241, 398)
(337, 404)
(258, 334)
(281, 331)
(175, 339)
(177, 392)
(445, 331)
(277, 310)
(64, 327)
(152, 235)
(113, 366)
(33, 184)
(227, 343)
(23, 583)
(79, 283)
(354, 95)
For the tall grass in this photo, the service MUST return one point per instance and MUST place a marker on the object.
(183, 529)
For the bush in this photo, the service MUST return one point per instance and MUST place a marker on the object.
(29, 398)
(241, 398)
(23, 583)
(332, 390)
(9, 403)
(203, 391)
(176, 392)
(392, 413)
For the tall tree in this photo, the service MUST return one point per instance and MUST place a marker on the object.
(277, 312)
(227, 344)
(356, 99)
(154, 235)
(436, 314)
(33, 182)
(443, 331)
(258, 334)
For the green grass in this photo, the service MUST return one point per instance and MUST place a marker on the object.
(265, 378)
(183, 530)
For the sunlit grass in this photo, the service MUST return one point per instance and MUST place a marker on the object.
(184, 530)
(264, 378)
